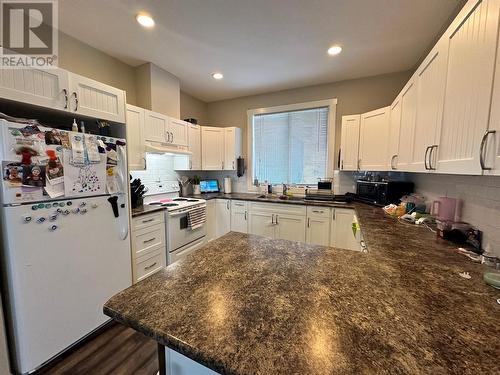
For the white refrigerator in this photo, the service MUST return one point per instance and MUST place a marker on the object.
(62, 257)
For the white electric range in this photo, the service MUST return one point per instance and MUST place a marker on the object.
(181, 240)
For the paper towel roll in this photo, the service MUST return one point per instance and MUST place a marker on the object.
(227, 185)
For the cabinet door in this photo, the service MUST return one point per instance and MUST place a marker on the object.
(394, 129)
(407, 126)
(261, 224)
(349, 143)
(194, 136)
(491, 140)
(212, 148)
(46, 88)
(178, 132)
(471, 56)
(239, 216)
(232, 147)
(341, 234)
(431, 82)
(95, 99)
(374, 140)
(155, 127)
(290, 227)
(318, 226)
(135, 141)
(223, 217)
(211, 220)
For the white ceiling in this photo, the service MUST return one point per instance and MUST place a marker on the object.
(260, 45)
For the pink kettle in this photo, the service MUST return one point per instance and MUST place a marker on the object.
(444, 208)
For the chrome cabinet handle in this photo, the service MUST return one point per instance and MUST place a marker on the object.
(65, 92)
(334, 216)
(341, 164)
(76, 100)
(277, 219)
(482, 150)
(147, 220)
(318, 211)
(150, 266)
(425, 158)
(222, 165)
(245, 215)
(432, 148)
(272, 219)
(171, 137)
(308, 222)
(150, 240)
(227, 205)
(392, 161)
(359, 164)
(233, 164)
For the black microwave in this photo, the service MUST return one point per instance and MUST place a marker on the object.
(382, 193)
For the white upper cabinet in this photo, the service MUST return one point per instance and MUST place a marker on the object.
(349, 144)
(135, 140)
(95, 99)
(472, 44)
(155, 127)
(394, 127)
(431, 82)
(212, 148)
(490, 143)
(232, 147)
(62, 90)
(41, 87)
(407, 126)
(374, 140)
(178, 132)
(194, 137)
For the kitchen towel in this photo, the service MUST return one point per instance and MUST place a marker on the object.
(197, 217)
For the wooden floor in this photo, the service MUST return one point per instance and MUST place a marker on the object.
(118, 351)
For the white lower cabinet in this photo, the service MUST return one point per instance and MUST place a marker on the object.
(223, 217)
(149, 248)
(341, 234)
(239, 216)
(211, 220)
(276, 220)
(318, 226)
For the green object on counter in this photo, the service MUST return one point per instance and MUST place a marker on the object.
(355, 228)
(492, 279)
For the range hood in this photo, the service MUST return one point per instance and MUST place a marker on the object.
(160, 148)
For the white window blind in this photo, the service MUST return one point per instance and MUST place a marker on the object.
(290, 147)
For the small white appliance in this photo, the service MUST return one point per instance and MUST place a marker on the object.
(181, 240)
(63, 257)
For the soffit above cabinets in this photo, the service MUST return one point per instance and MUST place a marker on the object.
(260, 45)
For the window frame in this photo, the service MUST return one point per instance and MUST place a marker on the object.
(332, 112)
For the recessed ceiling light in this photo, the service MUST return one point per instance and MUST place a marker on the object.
(145, 20)
(217, 75)
(334, 50)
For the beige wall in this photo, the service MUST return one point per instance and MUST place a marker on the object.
(80, 58)
(354, 96)
(193, 108)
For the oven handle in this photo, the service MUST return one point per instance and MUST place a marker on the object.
(180, 213)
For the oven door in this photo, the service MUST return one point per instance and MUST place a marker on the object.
(179, 233)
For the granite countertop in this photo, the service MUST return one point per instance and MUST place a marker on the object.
(245, 304)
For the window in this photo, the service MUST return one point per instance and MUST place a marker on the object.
(289, 144)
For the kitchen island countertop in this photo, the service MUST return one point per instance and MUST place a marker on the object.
(245, 304)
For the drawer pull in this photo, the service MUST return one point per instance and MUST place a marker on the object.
(148, 220)
(150, 240)
(318, 211)
(150, 266)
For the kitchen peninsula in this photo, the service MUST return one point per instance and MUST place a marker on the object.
(245, 304)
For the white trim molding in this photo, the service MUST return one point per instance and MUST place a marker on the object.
(332, 110)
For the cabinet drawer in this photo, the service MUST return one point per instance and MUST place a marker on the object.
(238, 206)
(147, 239)
(277, 208)
(147, 265)
(144, 221)
(318, 212)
